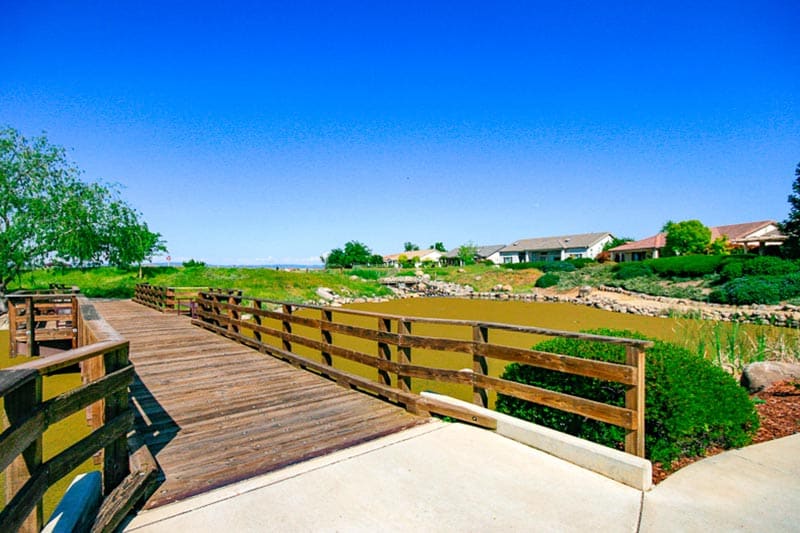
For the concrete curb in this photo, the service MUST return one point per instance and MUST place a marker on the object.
(627, 469)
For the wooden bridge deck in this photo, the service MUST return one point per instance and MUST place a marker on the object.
(214, 412)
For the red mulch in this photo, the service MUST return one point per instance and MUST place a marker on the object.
(780, 417)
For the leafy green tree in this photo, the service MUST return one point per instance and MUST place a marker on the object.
(438, 246)
(686, 237)
(720, 246)
(48, 214)
(791, 226)
(409, 246)
(616, 241)
(354, 253)
(467, 252)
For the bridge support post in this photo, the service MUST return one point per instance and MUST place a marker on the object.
(327, 336)
(635, 400)
(286, 326)
(403, 354)
(480, 335)
(384, 351)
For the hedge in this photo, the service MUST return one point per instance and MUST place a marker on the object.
(690, 403)
(547, 280)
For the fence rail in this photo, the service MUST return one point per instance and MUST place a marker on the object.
(27, 416)
(247, 320)
(44, 316)
(166, 299)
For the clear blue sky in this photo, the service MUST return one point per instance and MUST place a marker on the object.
(263, 133)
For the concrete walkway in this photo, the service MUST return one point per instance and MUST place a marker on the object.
(453, 477)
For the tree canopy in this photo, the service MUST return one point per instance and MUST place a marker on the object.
(791, 226)
(409, 246)
(467, 252)
(47, 214)
(686, 237)
(354, 253)
(438, 246)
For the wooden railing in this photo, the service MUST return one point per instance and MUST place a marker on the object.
(166, 299)
(42, 316)
(255, 321)
(107, 375)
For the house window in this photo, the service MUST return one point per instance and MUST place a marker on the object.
(508, 259)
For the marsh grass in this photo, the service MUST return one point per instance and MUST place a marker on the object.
(732, 345)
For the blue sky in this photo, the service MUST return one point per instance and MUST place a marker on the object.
(267, 133)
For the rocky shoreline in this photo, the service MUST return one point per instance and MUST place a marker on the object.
(606, 298)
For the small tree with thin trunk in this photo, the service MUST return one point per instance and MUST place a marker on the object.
(791, 226)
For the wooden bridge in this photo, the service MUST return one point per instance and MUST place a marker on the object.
(213, 408)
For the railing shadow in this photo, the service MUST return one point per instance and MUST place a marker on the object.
(153, 422)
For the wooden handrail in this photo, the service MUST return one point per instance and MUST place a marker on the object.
(37, 317)
(27, 416)
(228, 313)
(166, 299)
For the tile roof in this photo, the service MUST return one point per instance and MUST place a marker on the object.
(482, 251)
(734, 232)
(581, 240)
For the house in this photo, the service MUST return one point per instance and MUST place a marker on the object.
(482, 253)
(584, 245)
(762, 236)
(419, 257)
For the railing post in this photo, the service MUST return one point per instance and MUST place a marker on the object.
(233, 314)
(327, 336)
(384, 351)
(170, 302)
(19, 404)
(31, 326)
(12, 328)
(257, 318)
(287, 327)
(480, 335)
(403, 354)
(634, 400)
(74, 320)
(115, 466)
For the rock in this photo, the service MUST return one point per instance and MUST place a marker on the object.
(584, 291)
(478, 278)
(461, 270)
(508, 288)
(326, 294)
(419, 273)
(758, 376)
(354, 278)
(426, 277)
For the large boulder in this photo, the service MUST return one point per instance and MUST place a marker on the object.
(326, 294)
(758, 376)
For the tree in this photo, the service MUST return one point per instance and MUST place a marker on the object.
(354, 253)
(686, 237)
(48, 214)
(438, 246)
(409, 246)
(791, 226)
(466, 253)
(616, 241)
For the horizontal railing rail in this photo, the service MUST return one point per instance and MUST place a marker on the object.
(254, 321)
(166, 299)
(27, 415)
(35, 317)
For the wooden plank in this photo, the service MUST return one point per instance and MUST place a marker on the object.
(635, 401)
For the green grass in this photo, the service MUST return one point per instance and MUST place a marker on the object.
(294, 286)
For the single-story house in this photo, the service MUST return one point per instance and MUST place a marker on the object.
(584, 245)
(490, 252)
(750, 236)
(419, 257)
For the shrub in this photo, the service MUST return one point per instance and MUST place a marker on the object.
(732, 270)
(632, 270)
(364, 273)
(768, 266)
(758, 290)
(687, 266)
(581, 262)
(690, 403)
(191, 263)
(547, 280)
(544, 266)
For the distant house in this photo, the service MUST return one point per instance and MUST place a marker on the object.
(483, 253)
(419, 256)
(758, 237)
(584, 245)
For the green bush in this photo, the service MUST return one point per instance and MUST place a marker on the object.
(581, 262)
(364, 273)
(758, 290)
(690, 403)
(638, 269)
(547, 280)
(768, 266)
(686, 266)
(544, 266)
(732, 270)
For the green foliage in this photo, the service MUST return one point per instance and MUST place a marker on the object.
(47, 213)
(581, 262)
(616, 241)
(547, 280)
(544, 266)
(719, 246)
(731, 270)
(632, 270)
(467, 252)
(693, 266)
(191, 263)
(687, 237)
(366, 274)
(768, 266)
(758, 290)
(690, 404)
(791, 226)
(354, 253)
(409, 246)
(438, 246)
